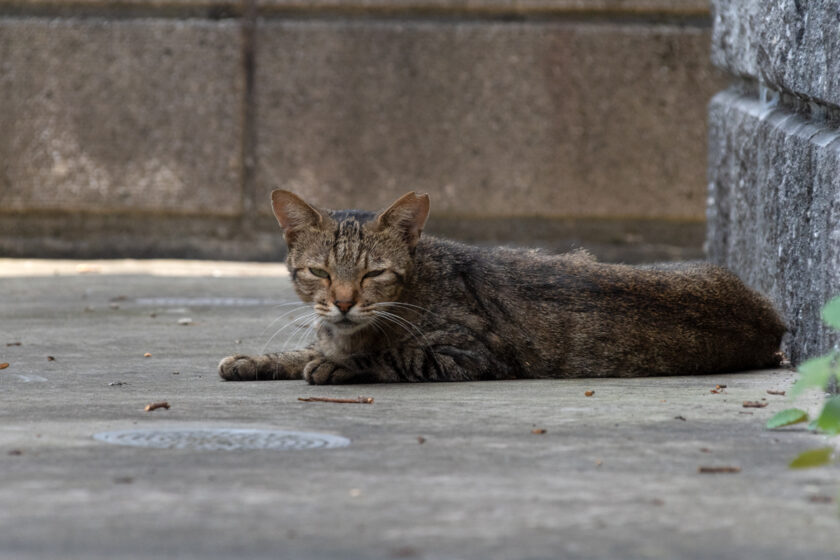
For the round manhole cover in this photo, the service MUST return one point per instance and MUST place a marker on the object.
(222, 439)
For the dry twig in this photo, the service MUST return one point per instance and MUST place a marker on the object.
(358, 400)
(717, 470)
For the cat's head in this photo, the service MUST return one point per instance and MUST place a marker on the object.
(350, 264)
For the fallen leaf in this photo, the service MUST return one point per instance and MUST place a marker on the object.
(772, 392)
(812, 458)
(4, 365)
(538, 431)
(588, 393)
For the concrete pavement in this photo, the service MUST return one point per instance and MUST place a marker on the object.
(615, 475)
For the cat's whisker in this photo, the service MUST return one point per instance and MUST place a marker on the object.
(374, 322)
(299, 336)
(286, 314)
(405, 323)
(284, 327)
(287, 303)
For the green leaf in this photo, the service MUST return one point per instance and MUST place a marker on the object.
(812, 458)
(831, 313)
(816, 372)
(829, 419)
(787, 417)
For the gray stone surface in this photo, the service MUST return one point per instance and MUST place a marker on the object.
(491, 7)
(792, 45)
(774, 209)
(614, 477)
(139, 115)
(530, 119)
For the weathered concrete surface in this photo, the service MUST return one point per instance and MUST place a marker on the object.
(790, 46)
(615, 476)
(493, 119)
(168, 116)
(104, 116)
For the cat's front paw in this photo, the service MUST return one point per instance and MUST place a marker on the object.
(238, 368)
(321, 371)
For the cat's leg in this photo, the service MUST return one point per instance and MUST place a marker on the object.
(285, 365)
(405, 365)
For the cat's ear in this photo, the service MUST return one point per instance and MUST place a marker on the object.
(293, 214)
(408, 214)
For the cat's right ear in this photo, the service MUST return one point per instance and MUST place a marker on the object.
(293, 214)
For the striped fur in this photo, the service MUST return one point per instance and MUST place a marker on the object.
(397, 307)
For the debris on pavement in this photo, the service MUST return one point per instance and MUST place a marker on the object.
(588, 393)
(718, 470)
(358, 400)
(680, 417)
(116, 383)
(50, 358)
(147, 355)
(772, 392)
(13, 344)
(754, 404)
(421, 440)
(539, 431)
(4, 365)
(157, 405)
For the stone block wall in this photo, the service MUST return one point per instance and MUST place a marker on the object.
(774, 157)
(158, 127)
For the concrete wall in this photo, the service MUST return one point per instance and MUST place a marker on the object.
(774, 161)
(157, 128)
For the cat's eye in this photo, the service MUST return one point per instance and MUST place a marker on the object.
(319, 272)
(372, 274)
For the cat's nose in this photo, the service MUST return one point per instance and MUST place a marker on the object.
(344, 306)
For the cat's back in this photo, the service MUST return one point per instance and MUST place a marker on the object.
(579, 317)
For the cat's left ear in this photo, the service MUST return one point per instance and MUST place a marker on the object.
(407, 214)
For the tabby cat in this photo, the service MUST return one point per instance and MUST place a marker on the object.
(395, 307)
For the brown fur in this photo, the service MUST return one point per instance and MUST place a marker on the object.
(425, 309)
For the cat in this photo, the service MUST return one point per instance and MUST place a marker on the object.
(397, 306)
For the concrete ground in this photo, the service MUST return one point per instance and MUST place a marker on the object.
(615, 475)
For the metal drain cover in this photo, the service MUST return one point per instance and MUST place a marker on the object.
(222, 439)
